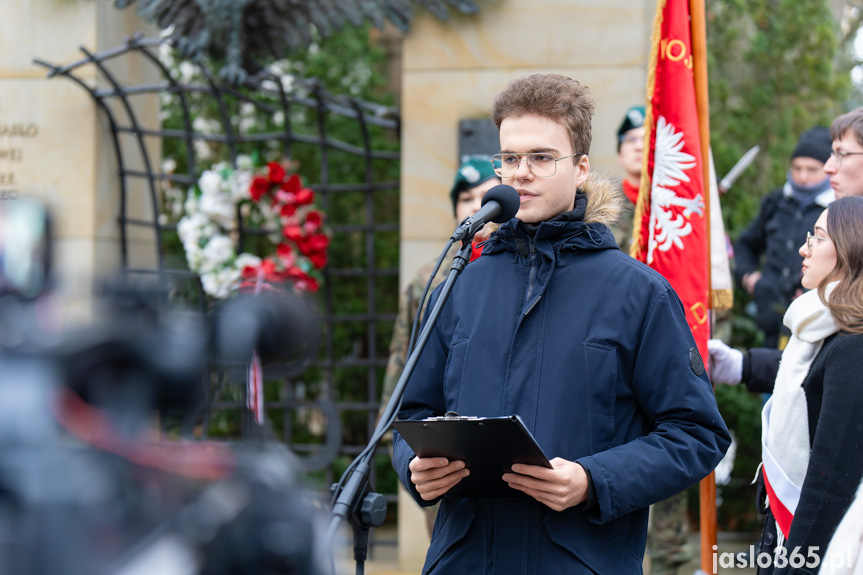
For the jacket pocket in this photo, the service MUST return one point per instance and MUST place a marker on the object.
(595, 546)
(601, 364)
(454, 521)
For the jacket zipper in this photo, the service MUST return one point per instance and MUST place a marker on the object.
(531, 279)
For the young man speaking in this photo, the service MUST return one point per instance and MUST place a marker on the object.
(588, 346)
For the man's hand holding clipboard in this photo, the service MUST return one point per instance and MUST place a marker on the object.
(468, 457)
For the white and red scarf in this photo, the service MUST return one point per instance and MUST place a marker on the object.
(785, 421)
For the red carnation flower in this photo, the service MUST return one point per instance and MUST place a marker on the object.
(286, 254)
(259, 187)
(277, 172)
(318, 259)
(250, 272)
(317, 242)
(301, 279)
(305, 196)
(313, 221)
(292, 185)
(292, 232)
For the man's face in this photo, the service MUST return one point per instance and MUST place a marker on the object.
(631, 152)
(470, 200)
(806, 172)
(846, 176)
(542, 198)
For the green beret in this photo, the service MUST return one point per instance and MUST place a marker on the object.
(473, 171)
(633, 119)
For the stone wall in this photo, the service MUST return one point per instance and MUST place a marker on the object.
(55, 144)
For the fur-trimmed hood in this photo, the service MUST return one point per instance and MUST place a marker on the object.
(605, 200)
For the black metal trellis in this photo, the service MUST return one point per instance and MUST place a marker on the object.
(268, 96)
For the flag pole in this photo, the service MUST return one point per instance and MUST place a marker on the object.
(707, 487)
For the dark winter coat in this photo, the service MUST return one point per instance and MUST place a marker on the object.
(592, 350)
(771, 243)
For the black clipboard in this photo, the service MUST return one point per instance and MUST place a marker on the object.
(489, 446)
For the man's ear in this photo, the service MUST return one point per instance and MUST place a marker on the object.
(582, 170)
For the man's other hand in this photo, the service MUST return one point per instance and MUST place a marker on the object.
(434, 476)
(559, 488)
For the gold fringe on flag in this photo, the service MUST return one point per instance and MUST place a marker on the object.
(722, 298)
(637, 247)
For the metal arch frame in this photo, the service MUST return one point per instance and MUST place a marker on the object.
(324, 104)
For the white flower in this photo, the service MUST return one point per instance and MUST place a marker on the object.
(220, 283)
(269, 212)
(202, 149)
(218, 251)
(239, 183)
(220, 208)
(191, 205)
(210, 183)
(169, 165)
(200, 124)
(194, 256)
(187, 72)
(246, 124)
(244, 162)
(166, 54)
(278, 68)
(191, 228)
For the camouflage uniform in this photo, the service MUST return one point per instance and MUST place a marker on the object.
(622, 229)
(668, 534)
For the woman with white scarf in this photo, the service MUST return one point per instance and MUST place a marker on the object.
(812, 426)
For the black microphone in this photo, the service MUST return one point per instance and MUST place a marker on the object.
(499, 205)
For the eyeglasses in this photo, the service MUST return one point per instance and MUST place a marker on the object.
(810, 238)
(541, 165)
(840, 155)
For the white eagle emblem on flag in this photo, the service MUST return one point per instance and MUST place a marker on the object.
(670, 166)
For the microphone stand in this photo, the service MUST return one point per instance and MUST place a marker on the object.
(356, 501)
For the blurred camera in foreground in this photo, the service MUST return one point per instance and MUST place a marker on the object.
(88, 482)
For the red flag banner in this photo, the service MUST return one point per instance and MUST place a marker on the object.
(671, 228)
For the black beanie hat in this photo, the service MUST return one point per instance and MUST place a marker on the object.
(815, 143)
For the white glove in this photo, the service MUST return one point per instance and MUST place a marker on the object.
(726, 363)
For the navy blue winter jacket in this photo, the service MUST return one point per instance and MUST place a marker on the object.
(592, 350)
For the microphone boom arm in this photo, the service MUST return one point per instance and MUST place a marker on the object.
(356, 501)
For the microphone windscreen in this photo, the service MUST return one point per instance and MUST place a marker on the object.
(277, 325)
(508, 199)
